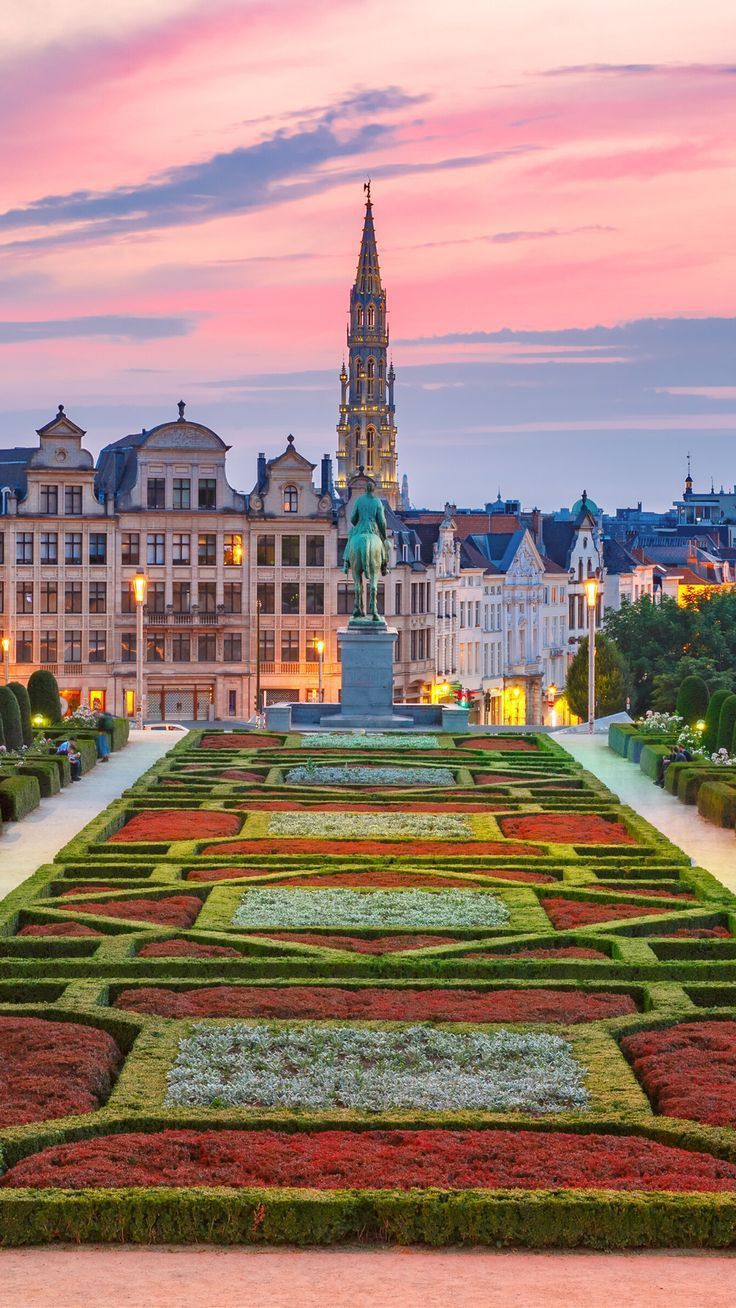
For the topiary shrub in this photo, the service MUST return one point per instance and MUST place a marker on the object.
(712, 717)
(43, 691)
(650, 760)
(24, 705)
(46, 774)
(18, 796)
(726, 723)
(10, 717)
(717, 803)
(692, 700)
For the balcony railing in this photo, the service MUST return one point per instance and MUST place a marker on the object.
(183, 619)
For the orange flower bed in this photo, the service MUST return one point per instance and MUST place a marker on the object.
(359, 944)
(174, 910)
(566, 828)
(507, 744)
(177, 824)
(58, 929)
(564, 914)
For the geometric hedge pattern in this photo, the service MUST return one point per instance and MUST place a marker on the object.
(257, 1000)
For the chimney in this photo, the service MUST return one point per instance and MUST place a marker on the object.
(325, 487)
(537, 526)
(261, 477)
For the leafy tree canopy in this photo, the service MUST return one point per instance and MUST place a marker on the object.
(610, 679)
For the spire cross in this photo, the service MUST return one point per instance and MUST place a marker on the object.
(367, 189)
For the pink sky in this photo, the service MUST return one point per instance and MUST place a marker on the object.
(181, 208)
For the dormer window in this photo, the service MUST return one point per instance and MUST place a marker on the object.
(291, 499)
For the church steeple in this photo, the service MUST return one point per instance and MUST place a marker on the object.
(366, 430)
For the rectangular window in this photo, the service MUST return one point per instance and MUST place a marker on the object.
(2, 546)
(290, 647)
(266, 596)
(290, 597)
(315, 551)
(181, 648)
(73, 547)
(232, 594)
(232, 651)
(232, 703)
(341, 543)
(207, 648)
(207, 551)
(315, 597)
(73, 597)
(207, 596)
(182, 595)
(155, 649)
(24, 547)
(413, 649)
(380, 598)
(73, 504)
(98, 597)
(233, 549)
(207, 493)
(24, 597)
(98, 547)
(181, 547)
(72, 646)
(397, 597)
(182, 493)
(49, 547)
(130, 547)
(49, 647)
(156, 597)
(397, 649)
(312, 653)
(97, 646)
(49, 500)
(127, 598)
(128, 647)
(24, 647)
(344, 597)
(49, 598)
(266, 551)
(290, 551)
(266, 646)
(155, 547)
(156, 498)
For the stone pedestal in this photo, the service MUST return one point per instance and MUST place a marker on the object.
(367, 659)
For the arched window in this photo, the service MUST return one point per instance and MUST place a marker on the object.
(371, 373)
(358, 315)
(358, 379)
(371, 315)
(370, 449)
(291, 499)
(580, 569)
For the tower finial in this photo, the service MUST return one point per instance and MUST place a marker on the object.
(181, 407)
(367, 189)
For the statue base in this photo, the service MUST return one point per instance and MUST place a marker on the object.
(367, 659)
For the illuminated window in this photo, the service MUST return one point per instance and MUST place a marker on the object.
(370, 449)
(291, 499)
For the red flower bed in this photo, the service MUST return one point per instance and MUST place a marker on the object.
(341, 806)
(699, 933)
(656, 892)
(369, 877)
(375, 1160)
(177, 824)
(688, 1070)
(175, 910)
(386, 848)
(561, 951)
(238, 774)
(92, 888)
(240, 740)
(505, 743)
(360, 944)
(502, 778)
(375, 1004)
(566, 828)
(186, 949)
(566, 913)
(58, 929)
(53, 1069)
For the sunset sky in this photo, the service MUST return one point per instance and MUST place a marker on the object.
(554, 191)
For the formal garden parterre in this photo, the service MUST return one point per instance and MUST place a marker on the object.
(369, 987)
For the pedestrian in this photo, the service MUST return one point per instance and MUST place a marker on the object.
(104, 733)
(69, 747)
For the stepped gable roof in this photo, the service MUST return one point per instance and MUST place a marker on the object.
(14, 468)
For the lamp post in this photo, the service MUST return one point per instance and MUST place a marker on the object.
(591, 595)
(140, 585)
(258, 658)
(319, 645)
(6, 657)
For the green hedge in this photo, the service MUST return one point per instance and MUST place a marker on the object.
(717, 803)
(120, 733)
(619, 734)
(637, 742)
(24, 707)
(726, 723)
(712, 718)
(692, 700)
(46, 773)
(10, 718)
(650, 760)
(43, 691)
(18, 796)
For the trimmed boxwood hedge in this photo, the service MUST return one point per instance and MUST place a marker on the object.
(19, 795)
(717, 803)
(10, 718)
(24, 708)
(712, 719)
(650, 760)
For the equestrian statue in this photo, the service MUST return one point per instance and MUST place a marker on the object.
(367, 551)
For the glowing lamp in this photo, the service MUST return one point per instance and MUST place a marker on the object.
(591, 592)
(700, 726)
(140, 585)
(5, 644)
(38, 720)
(319, 645)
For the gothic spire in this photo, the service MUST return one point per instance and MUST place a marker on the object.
(368, 275)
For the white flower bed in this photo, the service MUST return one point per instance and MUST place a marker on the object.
(322, 1067)
(377, 740)
(368, 826)
(269, 907)
(366, 776)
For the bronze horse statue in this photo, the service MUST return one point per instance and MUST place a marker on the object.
(366, 552)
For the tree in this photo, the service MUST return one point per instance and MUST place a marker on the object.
(24, 705)
(726, 723)
(667, 684)
(692, 700)
(610, 679)
(43, 690)
(651, 637)
(10, 716)
(712, 719)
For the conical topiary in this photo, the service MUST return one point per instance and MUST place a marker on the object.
(692, 700)
(726, 723)
(43, 691)
(24, 704)
(712, 718)
(10, 716)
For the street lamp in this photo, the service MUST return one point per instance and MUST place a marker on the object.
(140, 585)
(258, 658)
(6, 657)
(319, 645)
(591, 595)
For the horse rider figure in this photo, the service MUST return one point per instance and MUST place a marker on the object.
(367, 551)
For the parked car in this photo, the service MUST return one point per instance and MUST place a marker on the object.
(164, 726)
